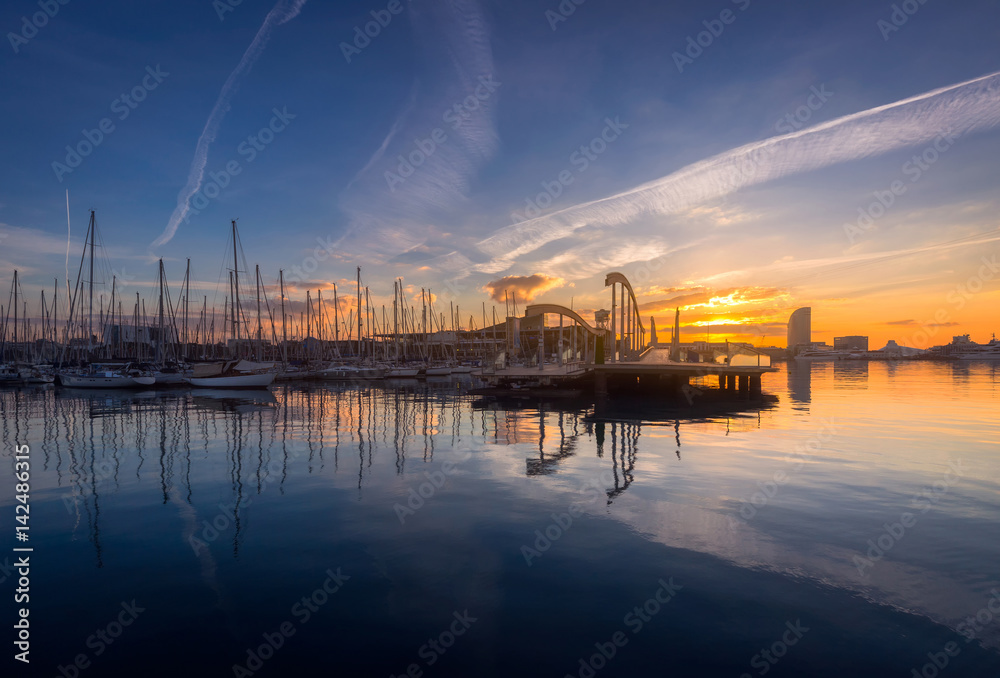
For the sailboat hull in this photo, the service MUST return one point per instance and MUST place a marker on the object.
(234, 381)
(115, 381)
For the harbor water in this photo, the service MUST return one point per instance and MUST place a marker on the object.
(852, 527)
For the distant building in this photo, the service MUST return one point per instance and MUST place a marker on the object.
(800, 327)
(147, 335)
(851, 343)
(894, 350)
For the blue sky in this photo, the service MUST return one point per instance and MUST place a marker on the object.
(738, 240)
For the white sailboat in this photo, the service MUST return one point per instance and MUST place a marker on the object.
(238, 373)
(438, 371)
(107, 375)
(350, 373)
(402, 372)
(232, 374)
(97, 375)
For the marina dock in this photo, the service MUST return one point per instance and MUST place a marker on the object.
(614, 357)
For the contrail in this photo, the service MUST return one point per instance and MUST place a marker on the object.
(284, 11)
(955, 110)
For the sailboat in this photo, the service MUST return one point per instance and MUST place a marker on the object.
(234, 373)
(107, 375)
(97, 375)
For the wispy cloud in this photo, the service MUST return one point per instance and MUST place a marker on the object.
(284, 11)
(847, 263)
(387, 215)
(958, 110)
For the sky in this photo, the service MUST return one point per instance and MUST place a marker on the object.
(735, 159)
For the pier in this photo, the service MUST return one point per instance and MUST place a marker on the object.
(614, 357)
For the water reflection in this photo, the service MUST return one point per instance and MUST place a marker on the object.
(799, 375)
(850, 374)
(349, 453)
(90, 438)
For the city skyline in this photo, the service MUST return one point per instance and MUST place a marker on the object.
(483, 149)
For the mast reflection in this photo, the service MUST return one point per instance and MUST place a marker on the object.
(260, 441)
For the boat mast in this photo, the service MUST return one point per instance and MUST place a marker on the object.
(284, 328)
(187, 294)
(260, 329)
(114, 285)
(90, 303)
(159, 331)
(14, 284)
(395, 318)
(359, 312)
(235, 303)
(55, 316)
(309, 308)
(336, 326)
(370, 320)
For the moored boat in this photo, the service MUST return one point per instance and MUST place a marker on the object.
(402, 372)
(33, 374)
(232, 374)
(438, 371)
(103, 375)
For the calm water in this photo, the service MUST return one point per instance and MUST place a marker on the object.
(852, 528)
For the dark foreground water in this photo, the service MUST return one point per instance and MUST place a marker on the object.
(853, 528)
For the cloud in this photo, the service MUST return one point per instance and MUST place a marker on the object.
(525, 287)
(905, 323)
(958, 110)
(445, 130)
(737, 306)
(284, 11)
